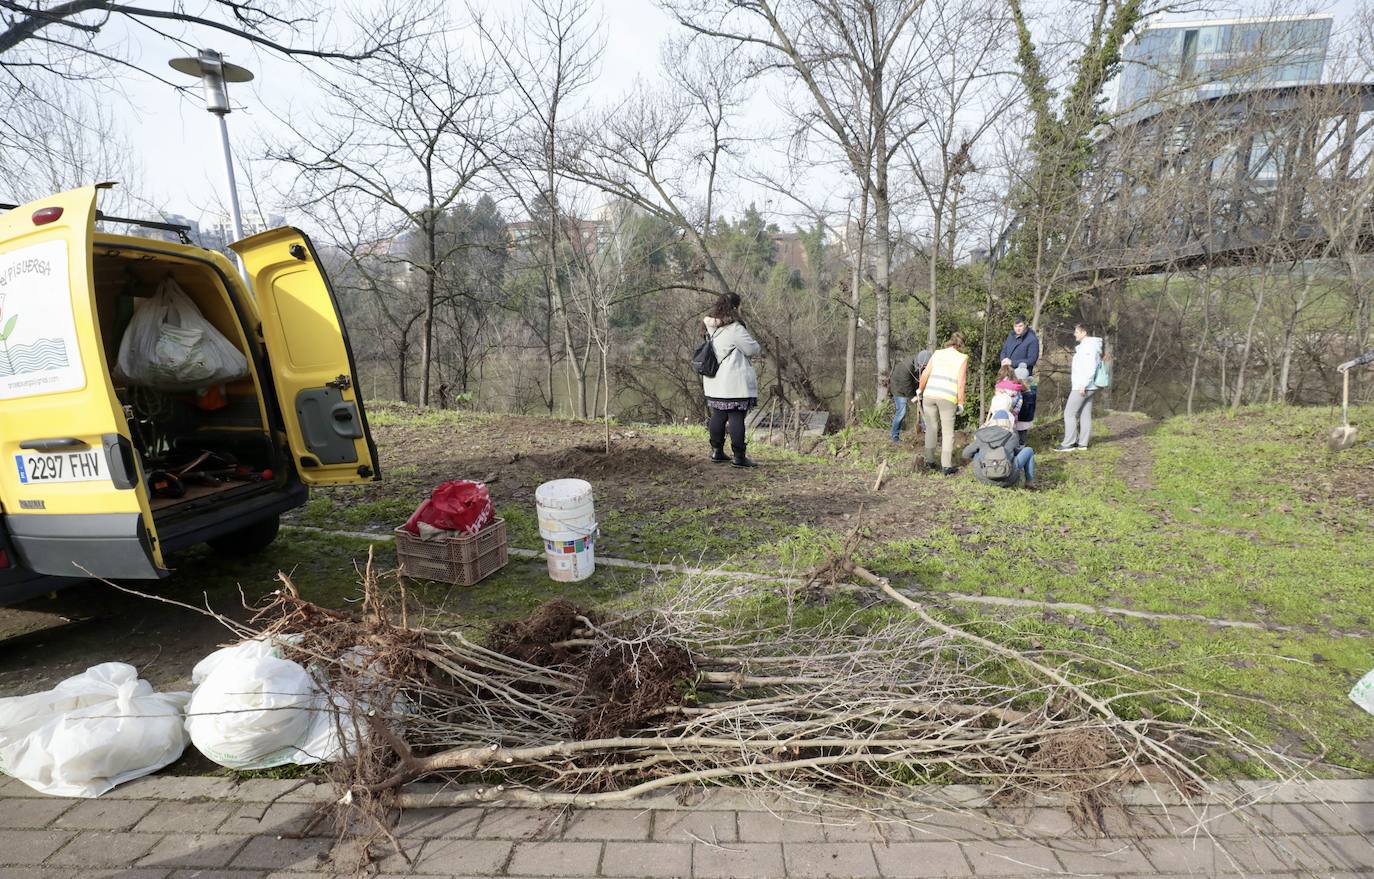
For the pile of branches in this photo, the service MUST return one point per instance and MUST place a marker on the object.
(575, 708)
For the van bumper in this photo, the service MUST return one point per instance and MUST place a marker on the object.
(112, 545)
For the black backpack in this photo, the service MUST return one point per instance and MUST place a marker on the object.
(996, 459)
(704, 359)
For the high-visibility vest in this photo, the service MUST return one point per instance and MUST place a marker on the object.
(947, 367)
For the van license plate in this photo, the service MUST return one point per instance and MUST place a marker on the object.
(83, 466)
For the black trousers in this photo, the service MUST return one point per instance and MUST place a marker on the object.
(719, 419)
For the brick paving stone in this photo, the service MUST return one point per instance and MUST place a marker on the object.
(276, 819)
(861, 828)
(104, 848)
(104, 814)
(926, 826)
(270, 853)
(704, 826)
(175, 816)
(1349, 852)
(1118, 856)
(480, 857)
(647, 860)
(913, 859)
(555, 859)
(174, 787)
(780, 827)
(197, 873)
(609, 824)
(1294, 817)
(1273, 854)
(1352, 818)
(822, 859)
(17, 813)
(521, 824)
(1189, 855)
(348, 858)
(24, 847)
(432, 823)
(737, 860)
(1009, 858)
(86, 873)
(194, 850)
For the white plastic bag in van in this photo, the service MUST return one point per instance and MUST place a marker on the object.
(91, 732)
(169, 345)
(254, 709)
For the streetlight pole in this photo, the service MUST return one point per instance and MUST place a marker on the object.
(214, 74)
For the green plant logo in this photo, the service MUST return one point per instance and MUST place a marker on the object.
(5, 330)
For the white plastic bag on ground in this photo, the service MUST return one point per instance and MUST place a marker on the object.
(91, 732)
(169, 345)
(1362, 694)
(254, 709)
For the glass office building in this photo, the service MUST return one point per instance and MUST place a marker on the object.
(1190, 60)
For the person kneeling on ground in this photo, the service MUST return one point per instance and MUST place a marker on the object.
(906, 380)
(734, 389)
(997, 454)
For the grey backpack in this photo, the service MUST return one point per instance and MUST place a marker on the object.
(996, 459)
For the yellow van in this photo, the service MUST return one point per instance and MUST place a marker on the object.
(101, 477)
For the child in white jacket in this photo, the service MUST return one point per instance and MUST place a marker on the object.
(1078, 409)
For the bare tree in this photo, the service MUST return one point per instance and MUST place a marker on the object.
(406, 137)
(837, 49)
(550, 53)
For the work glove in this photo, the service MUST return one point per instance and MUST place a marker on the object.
(959, 410)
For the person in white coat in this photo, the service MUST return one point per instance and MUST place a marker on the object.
(734, 389)
(1078, 409)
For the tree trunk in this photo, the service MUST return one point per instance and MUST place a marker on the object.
(1149, 340)
(1290, 332)
(882, 294)
(403, 355)
(427, 326)
(934, 266)
(852, 328)
(1206, 280)
(1249, 340)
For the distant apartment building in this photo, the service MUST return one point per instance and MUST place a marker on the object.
(789, 249)
(1192, 60)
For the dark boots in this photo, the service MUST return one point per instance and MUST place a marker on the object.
(741, 459)
(718, 454)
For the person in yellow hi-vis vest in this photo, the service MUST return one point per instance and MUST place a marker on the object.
(942, 397)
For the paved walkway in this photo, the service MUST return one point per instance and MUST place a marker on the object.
(210, 828)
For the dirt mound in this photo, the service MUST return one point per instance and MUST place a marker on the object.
(535, 638)
(641, 460)
(633, 681)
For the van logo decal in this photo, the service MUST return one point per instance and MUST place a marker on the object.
(32, 505)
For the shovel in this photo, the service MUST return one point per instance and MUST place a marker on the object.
(1343, 436)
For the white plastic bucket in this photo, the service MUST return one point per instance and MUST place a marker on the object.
(567, 522)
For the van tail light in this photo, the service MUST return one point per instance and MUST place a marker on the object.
(46, 215)
(4, 559)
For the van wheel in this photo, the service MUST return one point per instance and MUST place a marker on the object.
(250, 539)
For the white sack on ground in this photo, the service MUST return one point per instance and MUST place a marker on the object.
(254, 709)
(91, 732)
(1362, 694)
(169, 345)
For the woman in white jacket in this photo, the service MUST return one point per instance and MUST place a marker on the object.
(734, 389)
(1078, 410)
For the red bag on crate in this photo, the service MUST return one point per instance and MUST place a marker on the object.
(461, 505)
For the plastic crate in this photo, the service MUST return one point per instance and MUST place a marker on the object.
(460, 560)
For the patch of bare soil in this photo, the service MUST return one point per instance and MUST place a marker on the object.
(1136, 464)
(659, 473)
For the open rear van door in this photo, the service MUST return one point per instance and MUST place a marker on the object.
(310, 359)
(70, 487)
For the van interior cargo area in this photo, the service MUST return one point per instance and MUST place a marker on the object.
(194, 446)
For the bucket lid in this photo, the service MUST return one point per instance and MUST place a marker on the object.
(562, 491)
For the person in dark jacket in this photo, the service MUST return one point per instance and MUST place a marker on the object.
(905, 384)
(1020, 351)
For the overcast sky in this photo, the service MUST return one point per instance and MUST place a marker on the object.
(175, 145)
